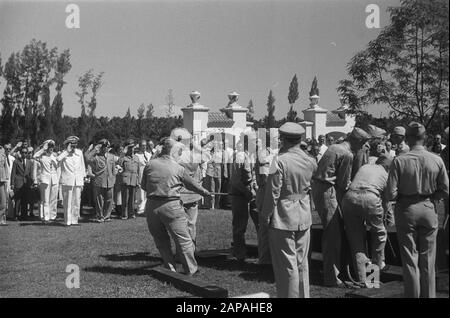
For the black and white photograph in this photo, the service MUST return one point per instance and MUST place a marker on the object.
(236, 150)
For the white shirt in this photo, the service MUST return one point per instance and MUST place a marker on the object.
(322, 149)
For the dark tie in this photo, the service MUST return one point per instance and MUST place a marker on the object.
(145, 157)
(7, 160)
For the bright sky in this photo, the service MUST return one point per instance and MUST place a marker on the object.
(148, 47)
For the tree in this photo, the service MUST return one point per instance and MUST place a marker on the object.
(150, 111)
(406, 66)
(270, 118)
(89, 84)
(140, 120)
(170, 103)
(127, 121)
(292, 97)
(30, 76)
(314, 88)
(63, 66)
(251, 110)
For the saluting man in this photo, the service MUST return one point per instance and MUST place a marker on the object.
(48, 179)
(331, 181)
(73, 171)
(103, 166)
(287, 212)
(417, 179)
(130, 166)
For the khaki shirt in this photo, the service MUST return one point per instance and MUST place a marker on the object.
(243, 176)
(131, 167)
(417, 173)
(360, 159)
(286, 201)
(164, 178)
(335, 167)
(370, 177)
(402, 148)
(103, 168)
(4, 168)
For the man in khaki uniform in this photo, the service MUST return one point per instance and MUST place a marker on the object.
(130, 167)
(103, 165)
(417, 179)
(162, 180)
(243, 194)
(331, 181)
(287, 212)
(398, 139)
(363, 205)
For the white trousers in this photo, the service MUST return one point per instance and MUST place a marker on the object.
(141, 199)
(71, 203)
(9, 201)
(49, 199)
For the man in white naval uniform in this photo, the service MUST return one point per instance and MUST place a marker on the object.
(144, 156)
(48, 179)
(73, 171)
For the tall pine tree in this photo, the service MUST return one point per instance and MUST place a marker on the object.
(270, 118)
(292, 97)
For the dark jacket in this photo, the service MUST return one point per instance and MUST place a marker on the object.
(22, 175)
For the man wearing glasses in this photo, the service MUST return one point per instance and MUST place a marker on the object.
(21, 182)
(73, 172)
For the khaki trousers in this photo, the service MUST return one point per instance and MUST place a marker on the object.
(361, 208)
(417, 226)
(103, 202)
(289, 250)
(169, 217)
(241, 209)
(328, 207)
(263, 242)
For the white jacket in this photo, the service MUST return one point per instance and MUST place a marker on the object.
(73, 169)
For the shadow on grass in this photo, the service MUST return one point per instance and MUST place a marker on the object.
(125, 257)
(39, 223)
(127, 271)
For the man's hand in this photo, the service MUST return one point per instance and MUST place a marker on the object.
(19, 144)
(208, 194)
(45, 146)
(69, 148)
(98, 147)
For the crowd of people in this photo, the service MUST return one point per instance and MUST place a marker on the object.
(38, 181)
(352, 182)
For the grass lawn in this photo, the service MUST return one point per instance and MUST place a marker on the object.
(115, 258)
